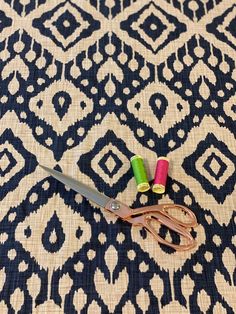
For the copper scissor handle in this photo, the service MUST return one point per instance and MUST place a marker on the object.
(146, 220)
(160, 213)
(146, 215)
(163, 209)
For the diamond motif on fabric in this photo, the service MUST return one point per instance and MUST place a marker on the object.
(211, 179)
(7, 162)
(110, 163)
(157, 96)
(66, 24)
(213, 167)
(107, 162)
(223, 27)
(62, 98)
(91, 170)
(53, 241)
(153, 27)
(13, 165)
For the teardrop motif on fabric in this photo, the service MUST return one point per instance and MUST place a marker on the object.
(212, 60)
(30, 56)
(111, 259)
(157, 286)
(110, 88)
(65, 284)
(34, 285)
(54, 225)
(133, 64)
(87, 64)
(19, 46)
(17, 300)
(224, 67)
(144, 72)
(51, 70)
(178, 66)
(110, 49)
(61, 101)
(122, 58)
(4, 55)
(41, 62)
(79, 300)
(143, 300)
(97, 57)
(204, 301)
(159, 104)
(204, 90)
(188, 60)
(227, 257)
(75, 71)
(167, 73)
(14, 85)
(22, 267)
(187, 287)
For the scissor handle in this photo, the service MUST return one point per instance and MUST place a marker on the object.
(163, 209)
(172, 225)
(145, 220)
(145, 215)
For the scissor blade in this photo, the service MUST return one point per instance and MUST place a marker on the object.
(79, 187)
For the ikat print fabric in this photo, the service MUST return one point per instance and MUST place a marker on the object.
(85, 85)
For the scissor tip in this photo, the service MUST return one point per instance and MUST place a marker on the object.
(44, 168)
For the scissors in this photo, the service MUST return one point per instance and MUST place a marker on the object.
(144, 216)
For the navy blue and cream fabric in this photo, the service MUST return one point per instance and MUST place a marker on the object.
(84, 85)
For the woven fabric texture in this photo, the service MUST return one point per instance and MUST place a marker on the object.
(85, 85)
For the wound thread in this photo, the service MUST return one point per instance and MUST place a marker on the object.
(161, 173)
(140, 173)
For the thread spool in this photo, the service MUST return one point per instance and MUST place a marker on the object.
(159, 184)
(140, 173)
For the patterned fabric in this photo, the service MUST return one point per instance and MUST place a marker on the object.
(84, 85)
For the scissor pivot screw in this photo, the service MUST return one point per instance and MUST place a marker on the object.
(115, 206)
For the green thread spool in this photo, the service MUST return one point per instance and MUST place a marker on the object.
(140, 173)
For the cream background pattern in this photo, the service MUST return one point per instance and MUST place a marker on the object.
(84, 85)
